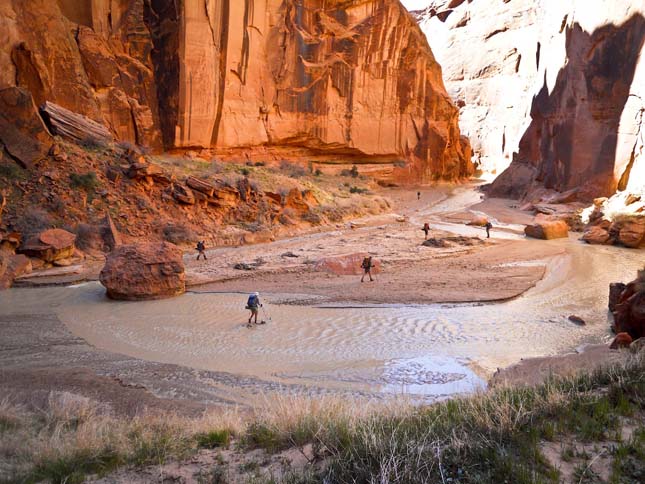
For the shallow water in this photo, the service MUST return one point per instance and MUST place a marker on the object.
(429, 350)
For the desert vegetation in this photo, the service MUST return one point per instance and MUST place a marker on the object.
(498, 436)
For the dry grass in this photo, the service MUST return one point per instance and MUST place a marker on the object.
(487, 437)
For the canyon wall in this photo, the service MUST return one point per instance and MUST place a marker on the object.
(558, 88)
(352, 79)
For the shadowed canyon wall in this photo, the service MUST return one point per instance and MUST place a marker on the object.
(559, 87)
(354, 79)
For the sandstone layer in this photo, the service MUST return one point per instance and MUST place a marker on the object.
(555, 87)
(355, 78)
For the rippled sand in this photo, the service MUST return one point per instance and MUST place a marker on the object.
(418, 350)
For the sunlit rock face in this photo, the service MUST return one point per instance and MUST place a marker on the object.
(352, 78)
(556, 86)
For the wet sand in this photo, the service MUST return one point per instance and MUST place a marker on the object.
(488, 270)
(328, 333)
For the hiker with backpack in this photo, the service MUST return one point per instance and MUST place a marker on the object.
(201, 248)
(426, 229)
(488, 227)
(367, 268)
(253, 304)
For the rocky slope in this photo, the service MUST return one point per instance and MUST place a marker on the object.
(348, 79)
(557, 87)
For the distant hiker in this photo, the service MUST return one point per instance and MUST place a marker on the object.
(426, 229)
(201, 247)
(253, 304)
(418, 195)
(367, 268)
(488, 227)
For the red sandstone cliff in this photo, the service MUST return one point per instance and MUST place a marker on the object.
(349, 78)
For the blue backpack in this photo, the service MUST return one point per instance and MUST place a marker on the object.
(252, 302)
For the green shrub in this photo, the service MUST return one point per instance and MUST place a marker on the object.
(86, 181)
(358, 190)
(93, 143)
(213, 439)
(11, 171)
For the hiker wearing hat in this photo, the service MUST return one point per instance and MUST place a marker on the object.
(253, 305)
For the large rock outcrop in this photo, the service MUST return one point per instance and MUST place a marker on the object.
(355, 79)
(557, 87)
(144, 271)
(627, 304)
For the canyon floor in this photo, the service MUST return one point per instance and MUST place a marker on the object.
(331, 334)
(439, 320)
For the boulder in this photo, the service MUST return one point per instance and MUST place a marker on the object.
(631, 231)
(596, 234)
(144, 271)
(627, 303)
(615, 291)
(50, 245)
(547, 229)
(622, 340)
(478, 221)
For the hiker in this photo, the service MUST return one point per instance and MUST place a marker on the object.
(253, 304)
(201, 247)
(488, 227)
(367, 267)
(426, 229)
(418, 195)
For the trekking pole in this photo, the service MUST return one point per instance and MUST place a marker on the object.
(266, 315)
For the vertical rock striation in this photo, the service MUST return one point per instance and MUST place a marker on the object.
(354, 79)
(557, 87)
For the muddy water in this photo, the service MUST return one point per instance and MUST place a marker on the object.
(431, 350)
(425, 351)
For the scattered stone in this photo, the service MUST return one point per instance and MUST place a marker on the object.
(622, 340)
(183, 194)
(289, 254)
(451, 241)
(577, 319)
(144, 271)
(243, 266)
(10, 242)
(249, 266)
(200, 185)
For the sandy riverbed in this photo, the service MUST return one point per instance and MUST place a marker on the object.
(401, 336)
